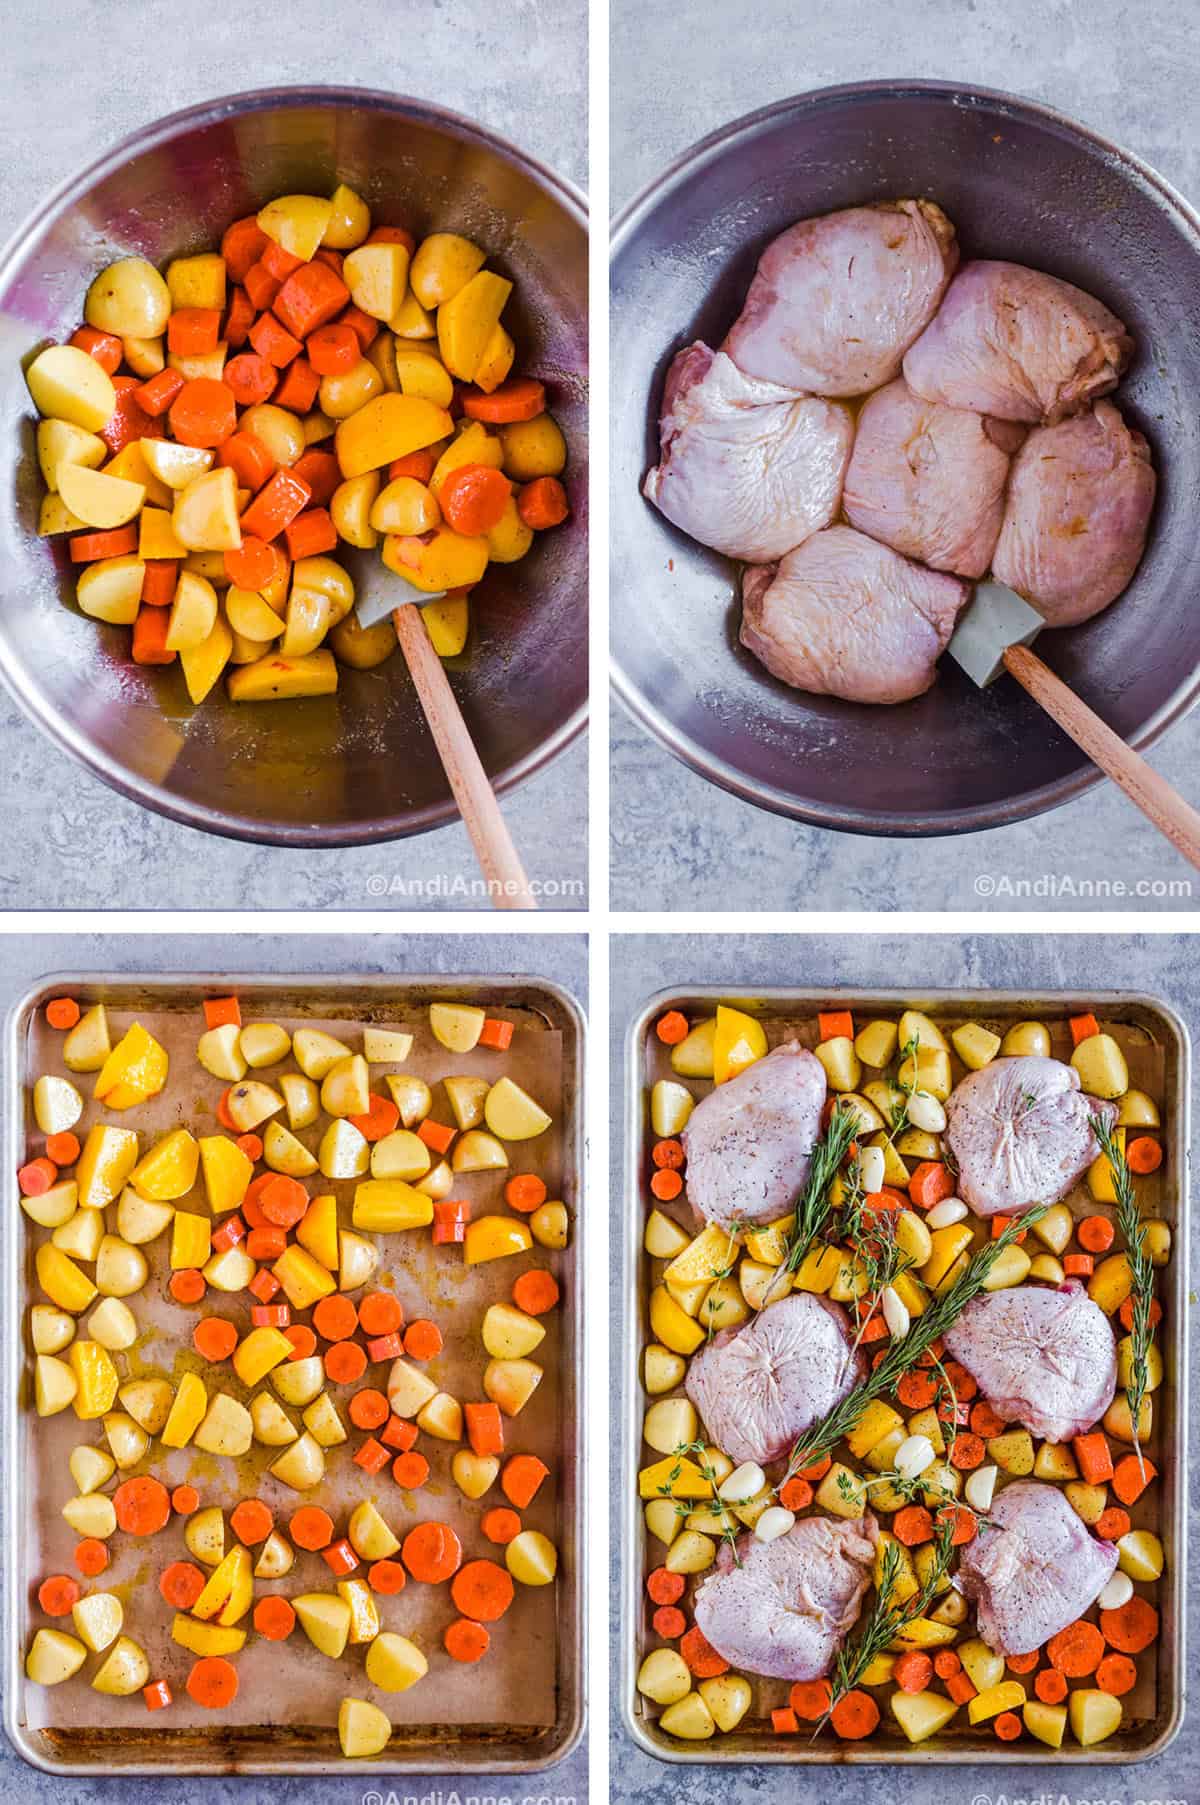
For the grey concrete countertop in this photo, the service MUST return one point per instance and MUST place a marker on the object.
(679, 842)
(498, 66)
(1160, 966)
(559, 958)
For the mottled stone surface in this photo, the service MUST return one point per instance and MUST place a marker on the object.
(561, 959)
(679, 842)
(483, 61)
(1161, 966)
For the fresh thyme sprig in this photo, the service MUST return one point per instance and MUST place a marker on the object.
(812, 1206)
(823, 1436)
(1133, 1232)
(888, 1615)
(730, 1527)
(907, 1055)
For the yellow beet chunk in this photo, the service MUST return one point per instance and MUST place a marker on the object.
(169, 1169)
(467, 320)
(134, 1071)
(437, 561)
(493, 1238)
(298, 222)
(387, 428)
(275, 678)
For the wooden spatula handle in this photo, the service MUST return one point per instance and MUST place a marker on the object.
(469, 781)
(1160, 804)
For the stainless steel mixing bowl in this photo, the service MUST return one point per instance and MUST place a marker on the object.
(1020, 182)
(358, 766)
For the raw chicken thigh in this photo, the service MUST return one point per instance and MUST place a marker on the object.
(758, 1386)
(1044, 1358)
(1036, 1573)
(1019, 344)
(785, 1611)
(836, 301)
(1079, 505)
(929, 480)
(1020, 1133)
(749, 1142)
(844, 616)
(747, 467)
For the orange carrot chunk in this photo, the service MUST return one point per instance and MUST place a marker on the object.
(855, 1715)
(672, 1028)
(380, 1313)
(386, 1577)
(526, 1192)
(311, 1528)
(466, 1641)
(700, 1657)
(500, 1525)
(181, 1584)
(482, 1590)
(1007, 1726)
(535, 1292)
(1131, 1627)
(522, 1476)
(810, 1699)
(1129, 1478)
(274, 1618)
(913, 1671)
(143, 1505)
(62, 1012)
(1077, 1650)
(252, 1521)
(431, 1552)
(1051, 1686)
(422, 1340)
(335, 1317)
(91, 1556)
(1116, 1674)
(213, 1682)
(1143, 1155)
(58, 1594)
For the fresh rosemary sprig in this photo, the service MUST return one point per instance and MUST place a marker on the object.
(889, 1614)
(1133, 1232)
(823, 1436)
(812, 1206)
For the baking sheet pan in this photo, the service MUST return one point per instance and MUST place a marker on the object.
(521, 1706)
(1157, 1049)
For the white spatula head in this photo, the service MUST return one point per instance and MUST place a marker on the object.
(996, 619)
(387, 591)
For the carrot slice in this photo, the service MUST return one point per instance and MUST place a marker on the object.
(473, 498)
(665, 1587)
(535, 1292)
(1129, 1480)
(431, 1552)
(466, 1641)
(668, 1153)
(1083, 1027)
(1116, 1674)
(379, 1119)
(63, 1148)
(855, 1715)
(672, 1027)
(1143, 1155)
(304, 1342)
(386, 1578)
(214, 1338)
(213, 1682)
(543, 503)
(181, 1584)
(252, 1521)
(1020, 1663)
(1132, 1626)
(1113, 1523)
(1096, 1234)
(525, 1191)
(380, 1313)
(410, 1471)
(796, 1494)
(810, 1699)
(521, 1478)
(274, 1618)
(783, 1722)
(203, 413)
(283, 1201)
(916, 1390)
(987, 1422)
(335, 1317)
(500, 1525)
(369, 1408)
(58, 1594)
(345, 1363)
(913, 1525)
(1094, 1456)
(1051, 1686)
(966, 1523)
(700, 1657)
(143, 1505)
(1007, 1726)
(946, 1663)
(913, 1671)
(422, 1340)
(666, 1185)
(184, 1500)
(311, 1528)
(482, 1590)
(62, 1012)
(91, 1556)
(930, 1183)
(968, 1452)
(520, 398)
(1077, 1650)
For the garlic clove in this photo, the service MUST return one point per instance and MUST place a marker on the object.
(924, 1111)
(895, 1312)
(913, 1455)
(981, 1487)
(871, 1169)
(745, 1482)
(1117, 1592)
(950, 1209)
(774, 1522)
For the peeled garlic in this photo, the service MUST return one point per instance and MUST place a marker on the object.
(924, 1111)
(871, 1169)
(774, 1522)
(1117, 1592)
(895, 1312)
(950, 1209)
(744, 1483)
(980, 1487)
(913, 1455)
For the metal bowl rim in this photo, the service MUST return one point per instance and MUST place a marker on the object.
(681, 745)
(12, 256)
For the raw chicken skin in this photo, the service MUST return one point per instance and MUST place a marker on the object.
(1020, 1132)
(1044, 1358)
(1079, 505)
(1019, 344)
(929, 480)
(749, 1142)
(836, 301)
(844, 616)
(747, 467)
(1036, 1573)
(785, 1611)
(758, 1386)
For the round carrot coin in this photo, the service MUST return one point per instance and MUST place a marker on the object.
(482, 1590)
(465, 1640)
(431, 1552)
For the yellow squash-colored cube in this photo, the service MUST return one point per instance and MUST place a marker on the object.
(191, 1240)
(675, 1476)
(169, 1169)
(227, 1172)
(258, 1353)
(61, 1279)
(134, 1071)
(108, 1157)
(318, 1231)
(385, 1205)
(304, 1280)
(494, 1237)
(96, 1379)
(186, 1413)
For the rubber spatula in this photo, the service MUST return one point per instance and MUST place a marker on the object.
(994, 635)
(508, 886)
